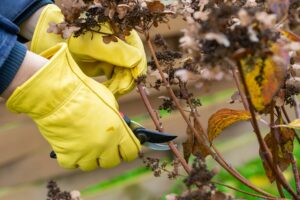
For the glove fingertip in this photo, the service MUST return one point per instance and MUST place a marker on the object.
(129, 149)
(64, 162)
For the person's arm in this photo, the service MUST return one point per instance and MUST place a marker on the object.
(30, 65)
(12, 53)
(28, 26)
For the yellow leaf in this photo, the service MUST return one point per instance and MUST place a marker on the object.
(265, 76)
(294, 124)
(224, 118)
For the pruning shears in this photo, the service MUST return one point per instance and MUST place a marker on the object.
(149, 138)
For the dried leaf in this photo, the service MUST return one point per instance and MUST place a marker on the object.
(224, 118)
(67, 32)
(54, 28)
(191, 145)
(71, 9)
(281, 146)
(264, 77)
(188, 144)
(200, 148)
(109, 38)
(155, 6)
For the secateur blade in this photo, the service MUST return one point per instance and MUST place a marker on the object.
(153, 136)
(157, 147)
(146, 135)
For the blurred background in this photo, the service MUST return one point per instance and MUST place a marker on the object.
(26, 168)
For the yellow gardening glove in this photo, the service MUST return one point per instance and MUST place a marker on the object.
(93, 55)
(78, 116)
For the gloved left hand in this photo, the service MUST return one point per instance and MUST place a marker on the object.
(93, 55)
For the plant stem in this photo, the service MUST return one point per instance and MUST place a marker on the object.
(157, 123)
(238, 85)
(242, 191)
(198, 136)
(288, 120)
(296, 173)
(260, 139)
(274, 135)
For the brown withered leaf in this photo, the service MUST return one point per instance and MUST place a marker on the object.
(281, 147)
(67, 32)
(155, 6)
(188, 144)
(200, 148)
(54, 28)
(224, 118)
(191, 145)
(109, 38)
(71, 9)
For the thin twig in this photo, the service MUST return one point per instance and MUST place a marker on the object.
(238, 85)
(242, 191)
(296, 173)
(260, 139)
(159, 127)
(274, 134)
(198, 136)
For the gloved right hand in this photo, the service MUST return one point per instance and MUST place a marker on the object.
(93, 55)
(78, 116)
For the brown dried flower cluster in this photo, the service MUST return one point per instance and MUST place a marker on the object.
(122, 15)
(55, 193)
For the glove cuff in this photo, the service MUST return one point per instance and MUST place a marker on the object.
(41, 39)
(50, 87)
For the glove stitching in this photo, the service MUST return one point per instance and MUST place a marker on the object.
(37, 30)
(64, 102)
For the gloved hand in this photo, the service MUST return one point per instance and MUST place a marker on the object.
(78, 116)
(93, 55)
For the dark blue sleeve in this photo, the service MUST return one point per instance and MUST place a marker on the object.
(19, 10)
(12, 52)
